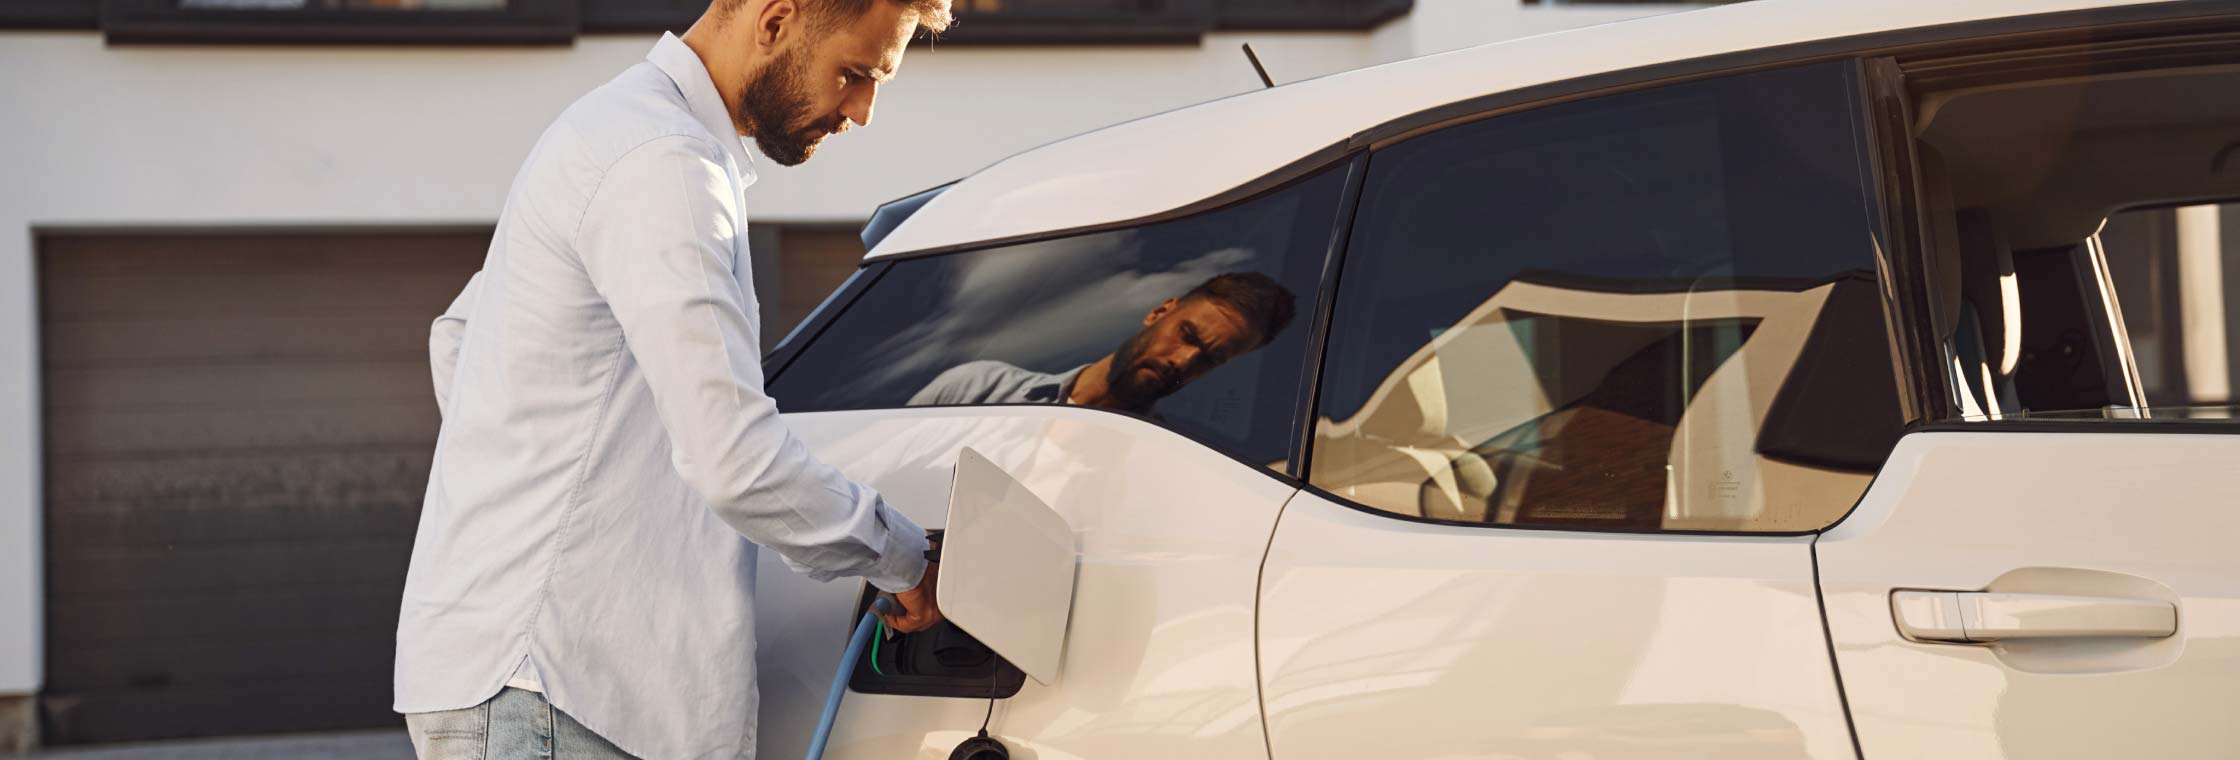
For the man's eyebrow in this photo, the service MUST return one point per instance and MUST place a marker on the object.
(875, 73)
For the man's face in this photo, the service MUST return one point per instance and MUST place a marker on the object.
(817, 85)
(1180, 342)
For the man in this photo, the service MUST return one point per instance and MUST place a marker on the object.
(582, 581)
(1181, 340)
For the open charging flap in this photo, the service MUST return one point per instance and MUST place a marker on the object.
(1007, 568)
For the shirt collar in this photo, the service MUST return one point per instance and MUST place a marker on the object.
(684, 68)
(1055, 389)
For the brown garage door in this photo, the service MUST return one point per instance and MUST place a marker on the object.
(238, 430)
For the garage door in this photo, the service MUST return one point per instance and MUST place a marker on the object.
(238, 431)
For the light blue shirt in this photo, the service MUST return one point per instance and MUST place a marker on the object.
(993, 382)
(609, 459)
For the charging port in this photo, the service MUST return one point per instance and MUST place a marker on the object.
(942, 661)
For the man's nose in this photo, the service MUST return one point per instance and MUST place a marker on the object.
(1187, 357)
(857, 108)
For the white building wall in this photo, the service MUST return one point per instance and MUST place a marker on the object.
(219, 136)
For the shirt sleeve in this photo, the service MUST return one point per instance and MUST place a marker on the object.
(444, 338)
(946, 388)
(657, 242)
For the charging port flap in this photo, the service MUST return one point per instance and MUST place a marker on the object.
(1007, 567)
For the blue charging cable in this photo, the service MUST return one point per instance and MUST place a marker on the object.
(857, 642)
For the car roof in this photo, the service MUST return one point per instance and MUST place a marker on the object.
(1158, 164)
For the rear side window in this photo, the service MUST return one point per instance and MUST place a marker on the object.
(1198, 324)
(1648, 311)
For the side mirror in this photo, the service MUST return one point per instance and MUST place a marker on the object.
(1007, 568)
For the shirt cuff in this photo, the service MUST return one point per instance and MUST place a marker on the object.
(902, 562)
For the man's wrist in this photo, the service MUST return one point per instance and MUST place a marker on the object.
(903, 564)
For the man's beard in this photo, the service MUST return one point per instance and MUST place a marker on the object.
(775, 104)
(1120, 377)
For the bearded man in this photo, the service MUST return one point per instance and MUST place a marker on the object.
(582, 583)
(1181, 340)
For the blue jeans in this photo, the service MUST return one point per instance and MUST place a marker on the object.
(515, 725)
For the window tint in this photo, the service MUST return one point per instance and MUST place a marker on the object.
(1193, 323)
(1653, 310)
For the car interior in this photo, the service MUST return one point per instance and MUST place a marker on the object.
(2016, 181)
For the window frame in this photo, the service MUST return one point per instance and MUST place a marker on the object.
(521, 22)
(1897, 79)
(50, 14)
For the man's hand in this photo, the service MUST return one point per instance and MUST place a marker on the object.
(919, 611)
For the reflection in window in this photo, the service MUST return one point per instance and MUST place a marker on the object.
(1646, 311)
(1188, 322)
(2173, 270)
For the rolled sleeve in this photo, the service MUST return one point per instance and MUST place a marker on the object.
(658, 241)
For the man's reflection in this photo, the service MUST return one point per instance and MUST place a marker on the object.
(1182, 339)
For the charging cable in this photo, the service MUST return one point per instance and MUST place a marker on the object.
(857, 642)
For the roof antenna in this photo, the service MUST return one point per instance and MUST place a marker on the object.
(1255, 59)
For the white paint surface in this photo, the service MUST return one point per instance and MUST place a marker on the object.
(1387, 638)
(1158, 655)
(231, 136)
(2115, 515)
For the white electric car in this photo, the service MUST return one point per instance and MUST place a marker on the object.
(1741, 383)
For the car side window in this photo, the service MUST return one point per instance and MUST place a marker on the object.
(1654, 310)
(1195, 323)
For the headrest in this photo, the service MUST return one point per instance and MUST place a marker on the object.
(1987, 266)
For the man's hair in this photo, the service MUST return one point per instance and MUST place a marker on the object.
(828, 16)
(1265, 304)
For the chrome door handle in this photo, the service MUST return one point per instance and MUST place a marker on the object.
(1964, 617)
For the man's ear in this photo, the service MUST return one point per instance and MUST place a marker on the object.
(775, 23)
(1158, 312)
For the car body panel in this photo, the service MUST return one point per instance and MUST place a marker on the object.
(2119, 515)
(1391, 638)
(1158, 659)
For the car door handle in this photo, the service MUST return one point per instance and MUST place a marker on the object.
(1971, 617)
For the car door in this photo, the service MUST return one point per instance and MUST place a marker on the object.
(2049, 571)
(1594, 374)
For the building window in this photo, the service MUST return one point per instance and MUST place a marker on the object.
(341, 21)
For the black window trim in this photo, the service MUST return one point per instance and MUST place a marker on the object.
(1318, 327)
(782, 355)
